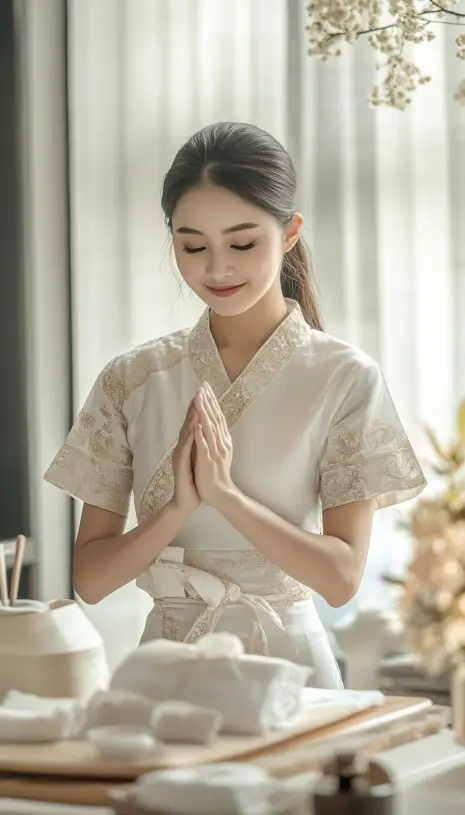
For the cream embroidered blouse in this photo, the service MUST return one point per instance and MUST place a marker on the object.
(313, 427)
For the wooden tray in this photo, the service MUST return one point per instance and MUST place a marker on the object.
(395, 722)
(79, 759)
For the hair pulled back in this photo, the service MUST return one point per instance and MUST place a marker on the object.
(251, 163)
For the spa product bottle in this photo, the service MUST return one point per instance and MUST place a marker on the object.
(350, 786)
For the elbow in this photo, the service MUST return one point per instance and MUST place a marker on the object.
(87, 590)
(343, 591)
(88, 594)
(89, 598)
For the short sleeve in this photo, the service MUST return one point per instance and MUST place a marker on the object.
(95, 462)
(367, 452)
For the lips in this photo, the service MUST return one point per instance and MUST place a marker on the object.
(224, 291)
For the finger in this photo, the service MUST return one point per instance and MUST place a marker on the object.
(208, 405)
(208, 425)
(220, 417)
(200, 440)
(204, 411)
(215, 406)
(215, 414)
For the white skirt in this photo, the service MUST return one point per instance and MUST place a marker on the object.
(301, 639)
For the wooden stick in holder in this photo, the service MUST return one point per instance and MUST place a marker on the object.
(17, 567)
(3, 580)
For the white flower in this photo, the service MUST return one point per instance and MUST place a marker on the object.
(454, 635)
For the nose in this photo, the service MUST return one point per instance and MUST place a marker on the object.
(216, 270)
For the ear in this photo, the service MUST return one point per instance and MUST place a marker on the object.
(292, 232)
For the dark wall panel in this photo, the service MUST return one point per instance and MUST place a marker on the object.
(14, 479)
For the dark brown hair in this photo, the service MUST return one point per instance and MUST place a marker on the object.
(252, 164)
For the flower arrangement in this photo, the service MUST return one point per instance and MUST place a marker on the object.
(390, 27)
(432, 605)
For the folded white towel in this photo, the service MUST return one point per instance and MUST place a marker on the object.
(25, 717)
(254, 694)
(19, 726)
(104, 708)
(17, 700)
(185, 723)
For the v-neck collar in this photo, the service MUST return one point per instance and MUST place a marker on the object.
(234, 397)
(206, 360)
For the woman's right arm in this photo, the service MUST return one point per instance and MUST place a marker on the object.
(106, 558)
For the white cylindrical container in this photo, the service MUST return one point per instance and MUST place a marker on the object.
(50, 649)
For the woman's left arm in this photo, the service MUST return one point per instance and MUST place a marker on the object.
(331, 564)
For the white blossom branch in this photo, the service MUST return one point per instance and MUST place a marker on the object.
(334, 23)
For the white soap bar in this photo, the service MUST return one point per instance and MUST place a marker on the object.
(185, 723)
(123, 742)
(115, 708)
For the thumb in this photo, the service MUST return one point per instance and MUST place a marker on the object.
(200, 438)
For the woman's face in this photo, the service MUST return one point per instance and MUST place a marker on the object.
(228, 251)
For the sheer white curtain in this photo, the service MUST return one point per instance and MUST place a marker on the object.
(383, 193)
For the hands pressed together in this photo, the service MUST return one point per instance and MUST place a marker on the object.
(203, 455)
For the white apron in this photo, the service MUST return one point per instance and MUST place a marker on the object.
(313, 427)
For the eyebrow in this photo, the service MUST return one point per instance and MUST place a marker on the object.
(187, 230)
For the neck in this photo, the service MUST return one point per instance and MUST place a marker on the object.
(247, 332)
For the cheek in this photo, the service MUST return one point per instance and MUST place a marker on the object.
(266, 258)
(190, 267)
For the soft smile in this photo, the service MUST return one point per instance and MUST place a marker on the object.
(225, 291)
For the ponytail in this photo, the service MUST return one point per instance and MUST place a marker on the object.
(297, 282)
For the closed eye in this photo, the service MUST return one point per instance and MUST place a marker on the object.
(194, 251)
(244, 248)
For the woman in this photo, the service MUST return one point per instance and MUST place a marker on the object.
(257, 446)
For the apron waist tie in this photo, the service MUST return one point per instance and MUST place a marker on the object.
(186, 583)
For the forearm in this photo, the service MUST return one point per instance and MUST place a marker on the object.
(322, 562)
(103, 566)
